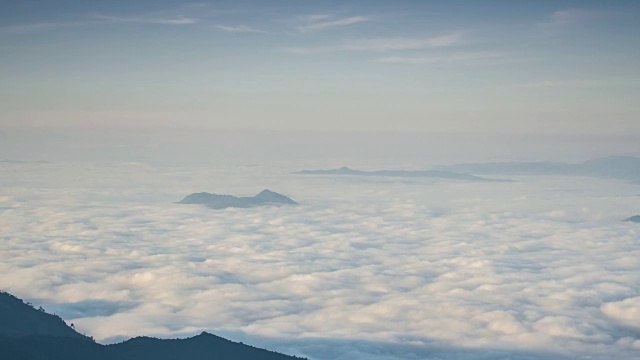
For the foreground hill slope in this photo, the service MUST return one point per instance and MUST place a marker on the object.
(30, 334)
(21, 319)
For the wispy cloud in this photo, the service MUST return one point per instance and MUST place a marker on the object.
(314, 17)
(239, 29)
(559, 83)
(384, 45)
(390, 44)
(322, 21)
(569, 17)
(34, 27)
(466, 58)
(98, 20)
(180, 20)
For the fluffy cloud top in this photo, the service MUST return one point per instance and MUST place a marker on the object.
(362, 269)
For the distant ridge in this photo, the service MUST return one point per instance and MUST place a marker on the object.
(203, 346)
(30, 334)
(440, 174)
(9, 161)
(613, 167)
(215, 201)
(635, 219)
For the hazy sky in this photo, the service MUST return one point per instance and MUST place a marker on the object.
(405, 66)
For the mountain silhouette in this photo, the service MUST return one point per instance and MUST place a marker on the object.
(440, 174)
(20, 319)
(27, 333)
(635, 219)
(215, 201)
(614, 167)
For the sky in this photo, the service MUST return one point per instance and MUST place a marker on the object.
(111, 111)
(426, 67)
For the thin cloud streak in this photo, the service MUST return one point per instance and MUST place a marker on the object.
(465, 58)
(96, 20)
(34, 27)
(332, 23)
(571, 17)
(314, 17)
(559, 83)
(239, 29)
(384, 45)
(182, 20)
(390, 44)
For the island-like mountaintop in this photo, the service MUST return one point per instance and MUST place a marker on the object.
(441, 174)
(216, 201)
(635, 219)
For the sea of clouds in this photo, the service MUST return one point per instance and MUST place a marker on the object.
(364, 268)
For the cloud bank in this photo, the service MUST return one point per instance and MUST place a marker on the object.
(362, 269)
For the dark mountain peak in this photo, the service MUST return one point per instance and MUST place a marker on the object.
(207, 335)
(202, 346)
(635, 219)
(345, 170)
(197, 198)
(273, 197)
(215, 201)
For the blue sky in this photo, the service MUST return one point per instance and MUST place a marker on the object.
(559, 67)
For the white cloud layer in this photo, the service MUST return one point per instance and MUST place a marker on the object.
(363, 269)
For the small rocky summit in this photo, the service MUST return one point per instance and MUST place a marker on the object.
(635, 219)
(215, 201)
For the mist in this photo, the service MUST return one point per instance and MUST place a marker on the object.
(395, 150)
(364, 267)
